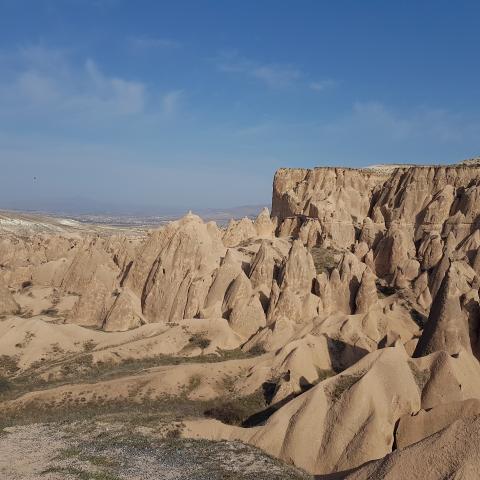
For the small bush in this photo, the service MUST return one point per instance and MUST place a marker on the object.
(5, 385)
(237, 410)
(89, 345)
(199, 340)
(257, 350)
(344, 383)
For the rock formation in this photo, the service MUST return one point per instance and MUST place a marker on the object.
(353, 309)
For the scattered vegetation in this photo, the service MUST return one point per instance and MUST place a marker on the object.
(89, 345)
(80, 368)
(343, 383)
(257, 350)
(8, 365)
(50, 312)
(56, 349)
(384, 291)
(323, 259)
(82, 474)
(5, 385)
(237, 410)
(147, 455)
(324, 374)
(193, 383)
(29, 336)
(199, 340)
(421, 377)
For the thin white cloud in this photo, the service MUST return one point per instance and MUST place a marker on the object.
(36, 87)
(272, 75)
(46, 79)
(276, 76)
(321, 85)
(41, 57)
(171, 101)
(115, 94)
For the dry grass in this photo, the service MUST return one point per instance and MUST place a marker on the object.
(344, 383)
(323, 259)
(421, 377)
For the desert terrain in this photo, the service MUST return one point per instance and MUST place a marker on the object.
(337, 336)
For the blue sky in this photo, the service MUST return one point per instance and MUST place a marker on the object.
(196, 103)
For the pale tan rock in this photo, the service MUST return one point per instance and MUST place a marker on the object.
(394, 251)
(360, 250)
(422, 292)
(448, 323)
(262, 272)
(264, 225)
(92, 306)
(345, 420)
(443, 378)
(371, 232)
(289, 227)
(125, 313)
(451, 453)
(223, 277)
(169, 263)
(338, 197)
(413, 428)
(242, 307)
(239, 231)
(343, 285)
(366, 297)
(8, 305)
(476, 262)
(311, 233)
(430, 251)
(295, 301)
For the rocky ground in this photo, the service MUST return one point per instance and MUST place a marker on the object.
(110, 451)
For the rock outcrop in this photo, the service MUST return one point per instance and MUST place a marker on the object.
(353, 309)
(8, 305)
(405, 215)
(451, 453)
(454, 315)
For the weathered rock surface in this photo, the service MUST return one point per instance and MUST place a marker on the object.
(406, 215)
(451, 453)
(8, 304)
(454, 314)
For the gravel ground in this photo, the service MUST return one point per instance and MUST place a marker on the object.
(102, 451)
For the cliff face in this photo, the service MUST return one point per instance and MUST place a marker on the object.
(319, 192)
(338, 199)
(413, 195)
(406, 223)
